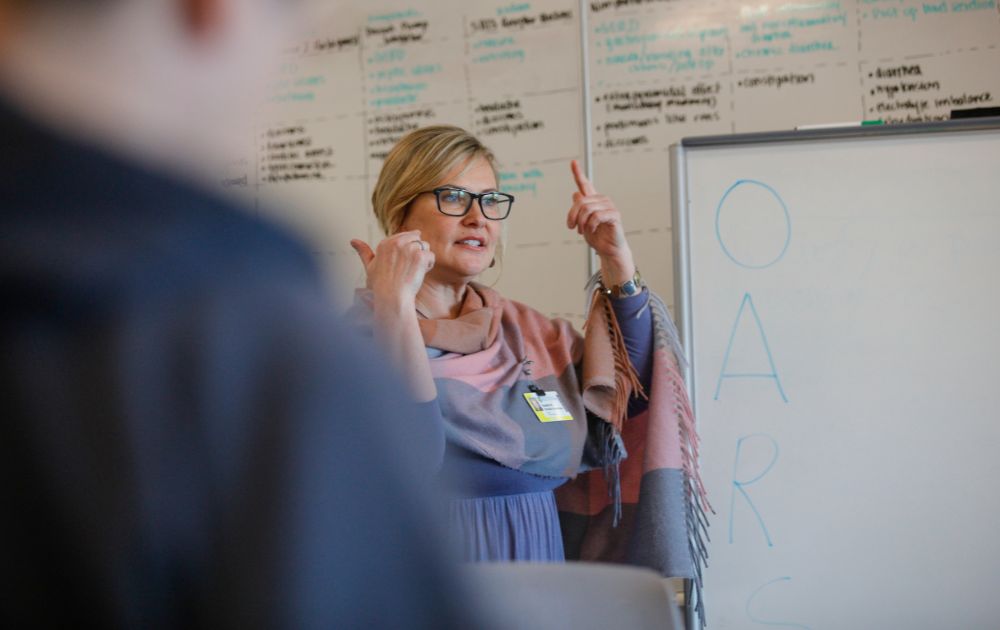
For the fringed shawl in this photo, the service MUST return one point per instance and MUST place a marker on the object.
(641, 500)
(645, 506)
(494, 352)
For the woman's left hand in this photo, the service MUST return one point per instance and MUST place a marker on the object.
(596, 218)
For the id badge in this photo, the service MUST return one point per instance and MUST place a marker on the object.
(547, 406)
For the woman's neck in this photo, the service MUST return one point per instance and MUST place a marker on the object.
(439, 300)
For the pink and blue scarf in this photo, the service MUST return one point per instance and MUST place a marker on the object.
(635, 495)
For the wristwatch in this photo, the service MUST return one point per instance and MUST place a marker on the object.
(628, 288)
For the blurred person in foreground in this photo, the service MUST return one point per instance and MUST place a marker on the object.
(188, 439)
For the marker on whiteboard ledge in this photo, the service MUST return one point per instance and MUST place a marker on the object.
(860, 123)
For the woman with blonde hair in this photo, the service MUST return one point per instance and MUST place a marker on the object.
(527, 402)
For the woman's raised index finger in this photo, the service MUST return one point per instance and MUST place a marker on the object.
(582, 183)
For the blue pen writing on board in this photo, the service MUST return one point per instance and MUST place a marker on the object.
(723, 205)
(773, 371)
(740, 486)
(770, 622)
(523, 182)
(839, 125)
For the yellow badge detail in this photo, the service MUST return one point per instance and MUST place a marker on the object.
(548, 407)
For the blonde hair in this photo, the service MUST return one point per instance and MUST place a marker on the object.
(419, 162)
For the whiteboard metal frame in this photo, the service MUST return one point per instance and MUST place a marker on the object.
(588, 135)
(682, 303)
(682, 271)
(840, 133)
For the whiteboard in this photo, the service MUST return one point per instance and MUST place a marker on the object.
(363, 74)
(662, 70)
(613, 82)
(839, 305)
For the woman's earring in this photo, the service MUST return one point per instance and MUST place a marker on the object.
(493, 263)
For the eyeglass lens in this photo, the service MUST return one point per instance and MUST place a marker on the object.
(457, 202)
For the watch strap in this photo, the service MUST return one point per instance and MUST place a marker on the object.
(630, 287)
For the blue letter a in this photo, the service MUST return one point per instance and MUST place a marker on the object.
(772, 374)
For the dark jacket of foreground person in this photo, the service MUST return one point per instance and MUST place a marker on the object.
(187, 437)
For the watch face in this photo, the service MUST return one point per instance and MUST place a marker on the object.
(628, 288)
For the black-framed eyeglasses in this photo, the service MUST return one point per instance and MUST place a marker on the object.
(456, 202)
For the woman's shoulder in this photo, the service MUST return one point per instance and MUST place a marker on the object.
(529, 319)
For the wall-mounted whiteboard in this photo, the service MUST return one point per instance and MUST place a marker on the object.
(839, 301)
(543, 80)
(366, 73)
(662, 70)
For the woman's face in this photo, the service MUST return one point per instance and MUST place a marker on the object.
(463, 246)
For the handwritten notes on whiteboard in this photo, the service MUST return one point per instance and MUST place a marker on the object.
(511, 72)
(366, 75)
(660, 71)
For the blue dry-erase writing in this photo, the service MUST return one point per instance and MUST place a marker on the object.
(723, 206)
(769, 622)
(741, 485)
(772, 374)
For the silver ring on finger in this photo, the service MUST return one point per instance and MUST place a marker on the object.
(422, 245)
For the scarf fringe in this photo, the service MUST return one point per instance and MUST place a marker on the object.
(627, 381)
(627, 384)
(665, 331)
(695, 496)
(666, 338)
(613, 453)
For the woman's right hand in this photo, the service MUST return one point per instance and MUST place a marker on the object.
(396, 269)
